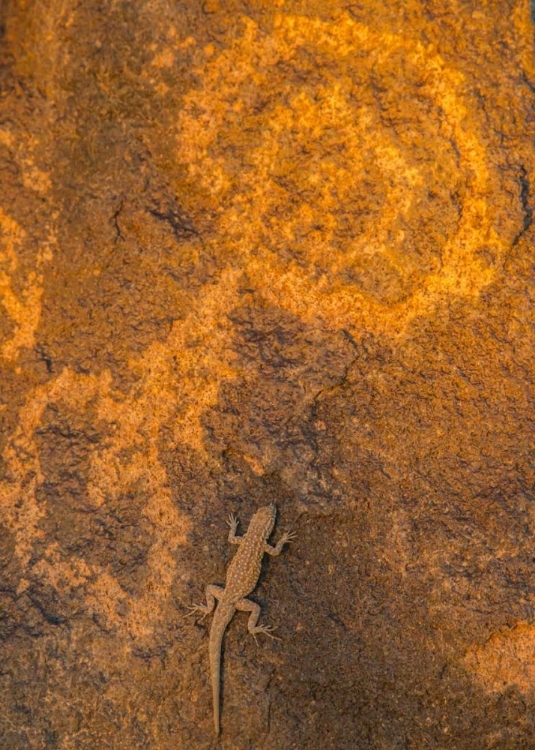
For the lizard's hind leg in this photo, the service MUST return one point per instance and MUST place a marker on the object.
(212, 593)
(246, 605)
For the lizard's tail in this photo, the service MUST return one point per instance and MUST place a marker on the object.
(216, 687)
(221, 619)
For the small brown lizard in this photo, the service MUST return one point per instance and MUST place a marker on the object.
(242, 577)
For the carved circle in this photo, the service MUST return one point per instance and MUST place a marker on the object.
(342, 167)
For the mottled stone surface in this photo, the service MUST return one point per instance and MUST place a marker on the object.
(267, 252)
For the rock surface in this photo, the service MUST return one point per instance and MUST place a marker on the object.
(267, 252)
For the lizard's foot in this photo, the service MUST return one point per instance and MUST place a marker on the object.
(288, 536)
(266, 630)
(232, 522)
(193, 610)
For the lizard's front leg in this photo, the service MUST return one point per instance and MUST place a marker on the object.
(288, 536)
(233, 523)
(246, 605)
(212, 593)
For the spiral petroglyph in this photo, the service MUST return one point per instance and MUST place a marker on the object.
(344, 192)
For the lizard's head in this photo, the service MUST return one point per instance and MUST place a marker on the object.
(264, 520)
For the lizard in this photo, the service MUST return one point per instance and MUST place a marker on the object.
(242, 577)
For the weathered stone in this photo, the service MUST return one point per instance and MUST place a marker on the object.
(252, 253)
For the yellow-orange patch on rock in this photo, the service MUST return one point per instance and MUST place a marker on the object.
(137, 419)
(22, 308)
(507, 658)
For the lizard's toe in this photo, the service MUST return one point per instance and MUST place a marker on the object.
(268, 630)
(196, 609)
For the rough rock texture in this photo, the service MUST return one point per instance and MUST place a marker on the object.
(267, 252)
